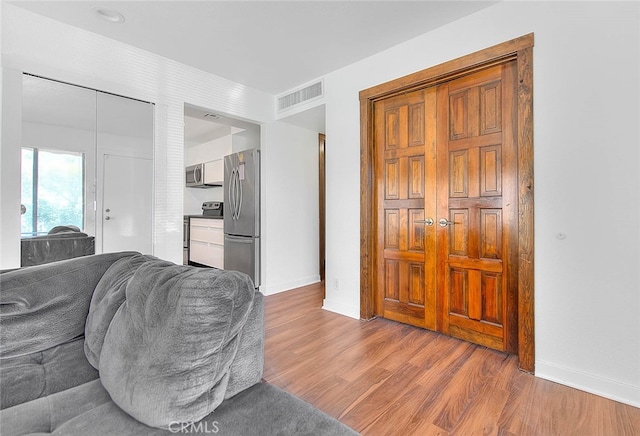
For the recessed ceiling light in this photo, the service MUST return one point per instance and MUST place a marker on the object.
(109, 14)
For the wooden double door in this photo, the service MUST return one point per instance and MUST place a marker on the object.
(447, 207)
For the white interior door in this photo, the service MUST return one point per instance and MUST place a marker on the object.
(125, 174)
(127, 204)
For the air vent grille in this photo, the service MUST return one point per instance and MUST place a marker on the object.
(300, 96)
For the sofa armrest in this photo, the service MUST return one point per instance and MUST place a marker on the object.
(246, 369)
(46, 305)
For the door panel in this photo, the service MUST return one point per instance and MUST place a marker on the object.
(459, 174)
(406, 249)
(128, 192)
(242, 254)
(124, 144)
(474, 154)
(491, 171)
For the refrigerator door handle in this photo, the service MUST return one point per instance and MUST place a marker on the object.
(236, 194)
(239, 198)
(231, 188)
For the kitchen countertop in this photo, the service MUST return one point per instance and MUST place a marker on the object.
(205, 216)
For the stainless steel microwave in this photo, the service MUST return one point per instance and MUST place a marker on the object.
(194, 176)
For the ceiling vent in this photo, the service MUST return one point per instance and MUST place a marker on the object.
(300, 96)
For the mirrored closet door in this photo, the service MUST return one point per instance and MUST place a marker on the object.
(86, 172)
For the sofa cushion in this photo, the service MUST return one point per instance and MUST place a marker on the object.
(246, 369)
(262, 409)
(167, 352)
(107, 299)
(47, 305)
(45, 415)
(25, 378)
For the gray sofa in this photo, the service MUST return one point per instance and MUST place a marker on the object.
(62, 242)
(127, 344)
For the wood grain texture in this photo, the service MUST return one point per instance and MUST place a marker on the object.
(519, 49)
(473, 174)
(400, 132)
(368, 276)
(526, 316)
(385, 378)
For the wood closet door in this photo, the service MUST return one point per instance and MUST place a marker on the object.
(448, 153)
(476, 190)
(405, 133)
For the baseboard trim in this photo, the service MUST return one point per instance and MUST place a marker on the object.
(287, 286)
(593, 384)
(342, 309)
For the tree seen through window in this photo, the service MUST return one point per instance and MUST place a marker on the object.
(52, 190)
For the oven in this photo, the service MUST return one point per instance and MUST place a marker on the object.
(185, 241)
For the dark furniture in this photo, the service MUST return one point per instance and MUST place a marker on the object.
(62, 242)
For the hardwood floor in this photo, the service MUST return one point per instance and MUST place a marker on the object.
(385, 378)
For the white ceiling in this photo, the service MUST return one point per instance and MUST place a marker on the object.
(272, 46)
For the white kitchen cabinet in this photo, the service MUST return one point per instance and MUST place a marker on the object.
(214, 172)
(206, 242)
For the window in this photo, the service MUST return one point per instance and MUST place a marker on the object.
(52, 190)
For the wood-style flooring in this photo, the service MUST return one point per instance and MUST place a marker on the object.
(385, 378)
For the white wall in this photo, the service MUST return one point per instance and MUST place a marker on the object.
(207, 151)
(246, 140)
(586, 70)
(290, 217)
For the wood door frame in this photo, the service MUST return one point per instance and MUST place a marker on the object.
(521, 50)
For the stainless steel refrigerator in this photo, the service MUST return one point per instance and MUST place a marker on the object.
(242, 213)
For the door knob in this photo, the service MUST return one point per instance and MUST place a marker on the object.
(444, 223)
(428, 221)
(107, 218)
